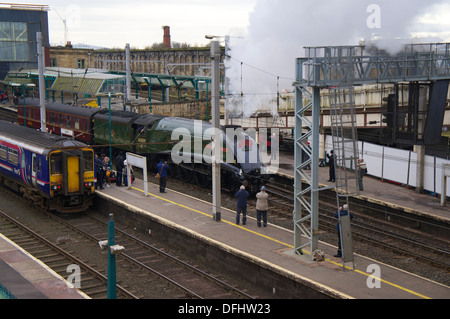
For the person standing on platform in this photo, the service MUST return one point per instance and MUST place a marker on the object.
(331, 164)
(343, 211)
(362, 170)
(99, 172)
(241, 196)
(119, 168)
(163, 168)
(125, 173)
(106, 170)
(261, 206)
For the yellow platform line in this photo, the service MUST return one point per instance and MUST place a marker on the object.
(282, 243)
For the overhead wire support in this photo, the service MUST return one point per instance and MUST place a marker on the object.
(339, 68)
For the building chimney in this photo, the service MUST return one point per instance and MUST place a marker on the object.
(167, 44)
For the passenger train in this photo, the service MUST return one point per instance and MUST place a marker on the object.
(54, 172)
(153, 136)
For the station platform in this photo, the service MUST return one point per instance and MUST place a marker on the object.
(272, 247)
(25, 277)
(381, 192)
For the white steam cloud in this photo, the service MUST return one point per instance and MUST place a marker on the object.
(263, 63)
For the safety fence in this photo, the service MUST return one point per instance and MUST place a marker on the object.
(399, 166)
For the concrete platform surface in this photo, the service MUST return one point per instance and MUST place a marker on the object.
(381, 192)
(272, 247)
(28, 278)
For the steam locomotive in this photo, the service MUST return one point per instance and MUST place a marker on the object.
(156, 137)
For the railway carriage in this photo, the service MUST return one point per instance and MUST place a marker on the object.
(156, 136)
(61, 119)
(122, 132)
(54, 172)
(152, 136)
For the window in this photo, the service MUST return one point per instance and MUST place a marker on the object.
(53, 62)
(36, 164)
(3, 152)
(52, 118)
(76, 123)
(14, 44)
(13, 156)
(81, 63)
(56, 163)
(68, 124)
(88, 161)
(83, 124)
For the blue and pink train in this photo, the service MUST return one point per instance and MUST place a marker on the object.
(54, 172)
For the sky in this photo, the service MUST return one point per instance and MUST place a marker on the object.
(266, 35)
(114, 23)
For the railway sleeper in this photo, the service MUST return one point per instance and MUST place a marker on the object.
(53, 259)
(95, 290)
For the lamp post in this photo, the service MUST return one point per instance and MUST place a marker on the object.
(109, 95)
(215, 114)
(112, 280)
(112, 250)
(41, 67)
(227, 39)
(110, 129)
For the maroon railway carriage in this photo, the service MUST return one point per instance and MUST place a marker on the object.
(62, 119)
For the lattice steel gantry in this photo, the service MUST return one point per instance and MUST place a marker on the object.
(339, 68)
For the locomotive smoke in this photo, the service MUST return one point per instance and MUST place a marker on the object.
(279, 29)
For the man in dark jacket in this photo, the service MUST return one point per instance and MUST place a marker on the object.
(98, 171)
(119, 168)
(241, 195)
(163, 168)
(343, 211)
(331, 164)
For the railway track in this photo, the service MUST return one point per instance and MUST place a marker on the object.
(93, 282)
(143, 269)
(395, 244)
(192, 281)
(403, 242)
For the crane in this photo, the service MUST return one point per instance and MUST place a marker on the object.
(66, 30)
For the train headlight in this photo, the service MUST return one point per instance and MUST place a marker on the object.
(88, 184)
(56, 187)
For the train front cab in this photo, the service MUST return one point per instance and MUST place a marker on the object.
(71, 180)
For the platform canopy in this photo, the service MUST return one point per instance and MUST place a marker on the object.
(164, 81)
(88, 81)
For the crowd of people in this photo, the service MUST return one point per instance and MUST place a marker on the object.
(105, 174)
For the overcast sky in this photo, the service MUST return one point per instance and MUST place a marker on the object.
(275, 31)
(114, 23)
